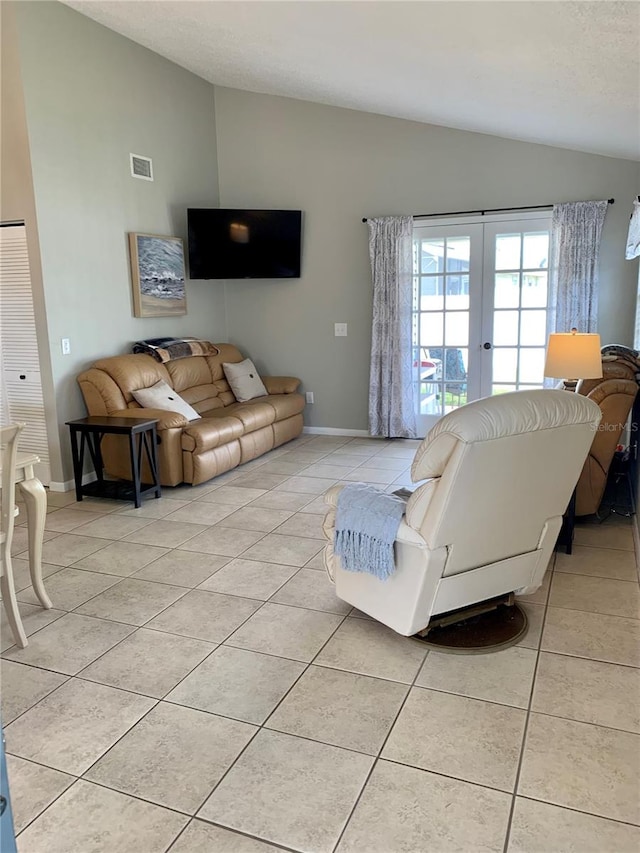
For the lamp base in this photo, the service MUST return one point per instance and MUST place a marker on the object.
(569, 384)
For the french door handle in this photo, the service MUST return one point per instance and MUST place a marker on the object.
(487, 345)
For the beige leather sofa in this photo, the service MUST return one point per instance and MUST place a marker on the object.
(615, 394)
(228, 433)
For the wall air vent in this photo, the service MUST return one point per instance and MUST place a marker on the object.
(141, 167)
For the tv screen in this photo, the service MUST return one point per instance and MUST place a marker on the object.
(244, 243)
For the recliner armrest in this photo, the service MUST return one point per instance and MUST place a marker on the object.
(406, 532)
(418, 503)
(280, 384)
(167, 420)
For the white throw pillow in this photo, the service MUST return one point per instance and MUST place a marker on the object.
(244, 380)
(162, 396)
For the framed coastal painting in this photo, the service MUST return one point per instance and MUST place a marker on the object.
(157, 275)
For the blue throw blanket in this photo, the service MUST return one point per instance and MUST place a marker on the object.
(367, 521)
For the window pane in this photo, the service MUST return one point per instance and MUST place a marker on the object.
(430, 368)
(535, 251)
(534, 289)
(430, 398)
(505, 363)
(431, 329)
(432, 256)
(508, 252)
(455, 395)
(507, 290)
(458, 249)
(502, 389)
(457, 289)
(505, 328)
(431, 298)
(533, 331)
(532, 366)
(456, 328)
(455, 364)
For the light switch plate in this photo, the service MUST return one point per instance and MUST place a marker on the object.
(340, 330)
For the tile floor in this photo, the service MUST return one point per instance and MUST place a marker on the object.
(198, 688)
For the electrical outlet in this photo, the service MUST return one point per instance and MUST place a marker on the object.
(340, 330)
(66, 346)
(309, 396)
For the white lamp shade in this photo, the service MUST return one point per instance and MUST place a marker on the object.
(573, 355)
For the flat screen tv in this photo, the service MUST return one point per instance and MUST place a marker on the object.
(244, 243)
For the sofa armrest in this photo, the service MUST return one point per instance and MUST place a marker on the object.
(167, 420)
(280, 384)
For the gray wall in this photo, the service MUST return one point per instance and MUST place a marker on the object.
(340, 165)
(92, 97)
(17, 199)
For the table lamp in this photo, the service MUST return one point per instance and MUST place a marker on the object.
(573, 355)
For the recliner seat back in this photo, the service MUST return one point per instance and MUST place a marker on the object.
(506, 465)
(499, 474)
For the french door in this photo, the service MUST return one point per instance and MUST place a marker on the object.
(479, 310)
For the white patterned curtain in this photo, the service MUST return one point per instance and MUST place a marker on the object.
(576, 230)
(391, 390)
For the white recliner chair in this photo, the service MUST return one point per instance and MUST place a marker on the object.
(499, 474)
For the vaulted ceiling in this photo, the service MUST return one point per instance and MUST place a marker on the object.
(560, 73)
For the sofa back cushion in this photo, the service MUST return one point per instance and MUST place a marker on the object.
(133, 372)
(200, 380)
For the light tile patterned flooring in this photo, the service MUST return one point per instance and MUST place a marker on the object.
(199, 688)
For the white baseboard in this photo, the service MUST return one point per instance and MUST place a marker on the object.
(360, 433)
(68, 485)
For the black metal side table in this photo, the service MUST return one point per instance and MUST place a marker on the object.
(142, 438)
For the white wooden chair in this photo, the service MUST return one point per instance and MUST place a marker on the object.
(9, 448)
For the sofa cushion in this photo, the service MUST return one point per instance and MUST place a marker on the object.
(284, 405)
(201, 381)
(189, 372)
(252, 415)
(208, 433)
(162, 396)
(244, 380)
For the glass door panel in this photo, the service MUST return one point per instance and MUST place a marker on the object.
(447, 298)
(516, 261)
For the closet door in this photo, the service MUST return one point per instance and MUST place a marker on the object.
(21, 386)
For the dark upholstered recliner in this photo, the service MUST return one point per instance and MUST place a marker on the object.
(614, 393)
